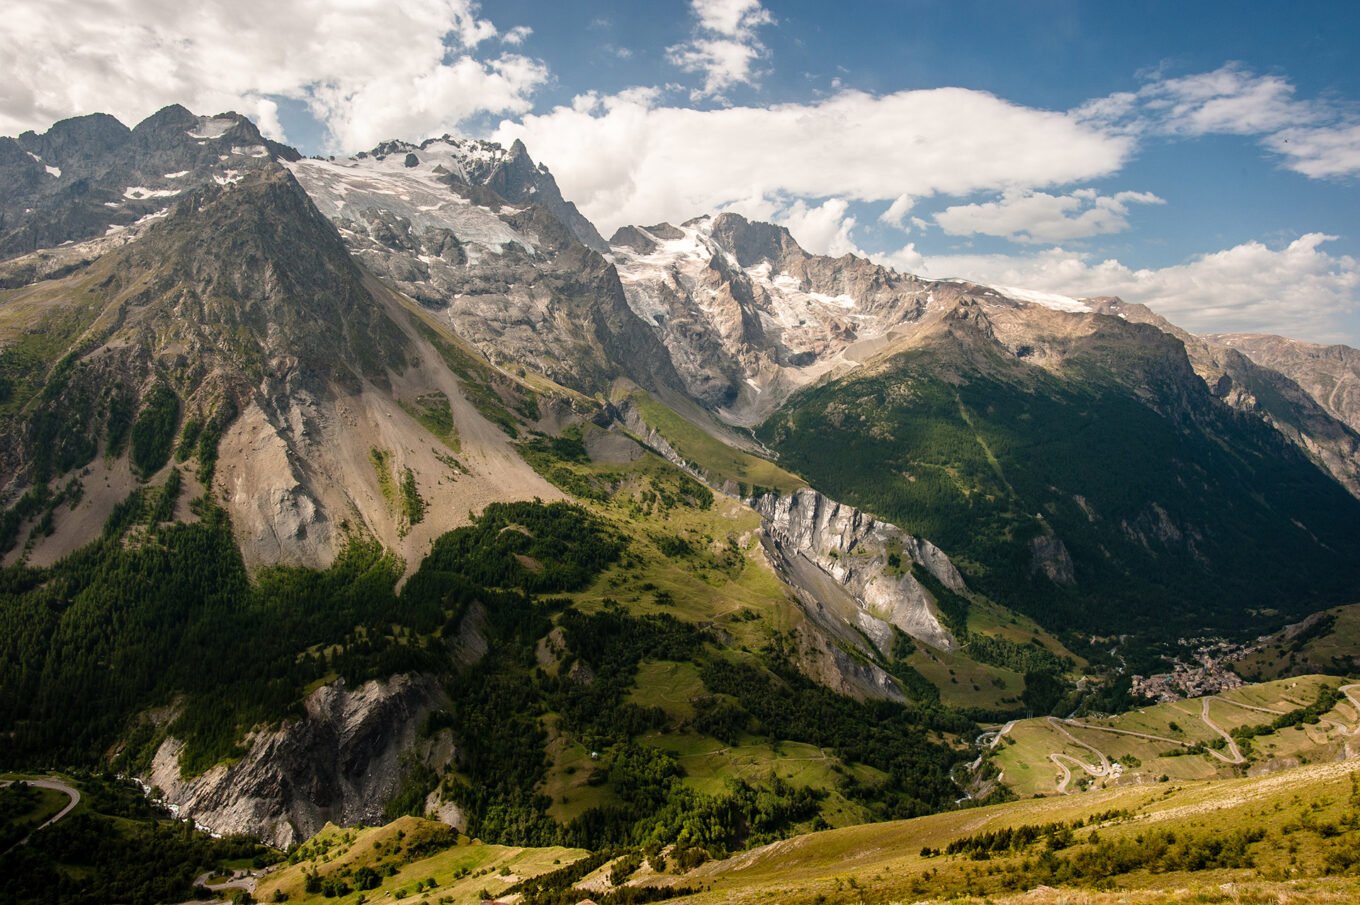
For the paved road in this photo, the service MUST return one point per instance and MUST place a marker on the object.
(1096, 770)
(55, 785)
(1352, 692)
(1234, 755)
(240, 879)
(1235, 751)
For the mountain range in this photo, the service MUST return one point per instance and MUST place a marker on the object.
(337, 489)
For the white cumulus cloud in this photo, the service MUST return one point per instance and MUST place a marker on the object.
(1298, 290)
(1320, 153)
(625, 159)
(725, 46)
(896, 214)
(1317, 138)
(368, 69)
(1027, 216)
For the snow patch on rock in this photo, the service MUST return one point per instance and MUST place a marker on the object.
(210, 128)
(141, 193)
(1047, 299)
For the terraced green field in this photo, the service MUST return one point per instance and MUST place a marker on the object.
(1181, 740)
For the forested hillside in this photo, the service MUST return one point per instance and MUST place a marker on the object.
(1114, 495)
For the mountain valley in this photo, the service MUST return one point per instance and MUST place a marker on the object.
(381, 512)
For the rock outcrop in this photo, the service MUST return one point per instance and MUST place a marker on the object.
(1309, 393)
(1330, 374)
(871, 559)
(339, 763)
(1049, 556)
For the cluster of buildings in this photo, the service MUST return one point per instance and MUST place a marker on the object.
(1207, 671)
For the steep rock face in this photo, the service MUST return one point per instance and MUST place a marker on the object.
(517, 179)
(510, 173)
(1329, 374)
(514, 278)
(854, 549)
(1049, 556)
(339, 763)
(748, 317)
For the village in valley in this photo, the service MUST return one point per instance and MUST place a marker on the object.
(1203, 670)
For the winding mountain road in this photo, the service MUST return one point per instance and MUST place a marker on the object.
(1235, 751)
(1233, 756)
(1062, 760)
(1352, 693)
(239, 879)
(55, 785)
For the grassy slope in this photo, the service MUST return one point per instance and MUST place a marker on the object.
(964, 682)
(419, 850)
(38, 325)
(882, 862)
(1308, 815)
(714, 457)
(726, 583)
(1331, 644)
(1022, 755)
(49, 803)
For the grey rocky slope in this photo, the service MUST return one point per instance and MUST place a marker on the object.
(749, 317)
(338, 762)
(480, 236)
(1328, 373)
(88, 174)
(244, 303)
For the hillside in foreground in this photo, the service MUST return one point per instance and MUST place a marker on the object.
(1288, 837)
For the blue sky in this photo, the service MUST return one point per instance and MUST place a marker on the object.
(1201, 157)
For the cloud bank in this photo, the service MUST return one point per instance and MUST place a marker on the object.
(1038, 217)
